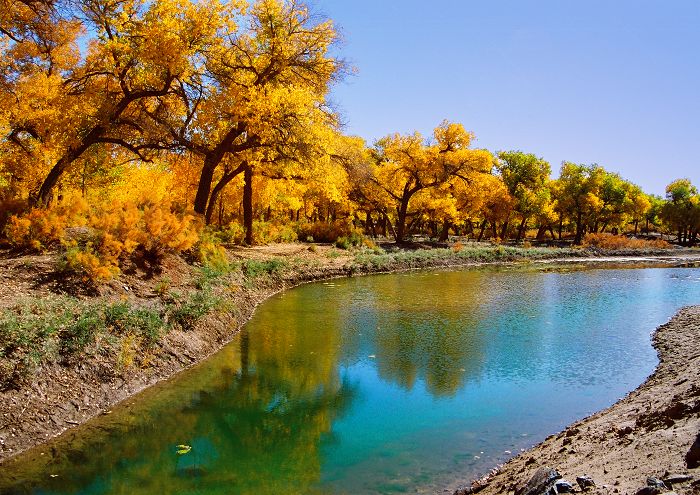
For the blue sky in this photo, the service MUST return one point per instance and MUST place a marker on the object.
(613, 82)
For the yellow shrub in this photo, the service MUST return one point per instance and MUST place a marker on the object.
(91, 265)
(325, 232)
(164, 231)
(267, 232)
(611, 241)
(41, 228)
(211, 253)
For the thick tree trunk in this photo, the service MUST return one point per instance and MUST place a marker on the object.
(445, 232)
(43, 197)
(248, 204)
(504, 230)
(201, 199)
(541, 232)
(369, 225)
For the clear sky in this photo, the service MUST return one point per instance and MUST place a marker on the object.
(613, 82)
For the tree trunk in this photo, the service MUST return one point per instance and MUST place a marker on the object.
(481, 231)
(521, 229)
(445, 232)
(579, 229)
(227, 177)
(248, 204)
(561, 224)
(504, 230)
(400, 230)
(201, 199)
(43, 197)
(541, 232)
(369, 225)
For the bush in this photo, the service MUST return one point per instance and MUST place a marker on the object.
(42, 228)
(326, 232)
(211, 254)
(126, 231)
(198, 305)
(253, 269)
(268, 232)
(346, 242)
(139, 233)
(10, 208)
(618, 242)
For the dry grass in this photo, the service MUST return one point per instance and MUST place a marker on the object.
(610, 241)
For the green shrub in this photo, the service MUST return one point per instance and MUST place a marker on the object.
(352, 240)
(198, 305)
(253, 268)
(81, 332)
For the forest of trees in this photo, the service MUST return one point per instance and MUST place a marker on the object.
(181, 113)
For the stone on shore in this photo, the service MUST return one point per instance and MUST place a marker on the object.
(541, 482)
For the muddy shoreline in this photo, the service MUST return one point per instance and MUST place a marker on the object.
(61, 398)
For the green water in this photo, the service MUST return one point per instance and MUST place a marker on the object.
(383, 384)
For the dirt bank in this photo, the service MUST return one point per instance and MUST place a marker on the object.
(63, 394)
(646, 434)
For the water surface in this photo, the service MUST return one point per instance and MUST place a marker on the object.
(383, 384)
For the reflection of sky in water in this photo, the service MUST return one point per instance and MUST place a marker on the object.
(380, 384)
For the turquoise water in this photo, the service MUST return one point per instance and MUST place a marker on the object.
(383, 384)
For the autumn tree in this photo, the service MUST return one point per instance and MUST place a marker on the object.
(682, 210)
(578, 188)
(256, 99)
(526, 178)
(407, 165)
(67, 103)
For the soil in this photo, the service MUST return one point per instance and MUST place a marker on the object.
(646, 434)
(64, 395)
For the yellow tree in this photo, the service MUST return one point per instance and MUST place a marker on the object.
(260, 93)
(406, 165)
(578, 192)
(67, 103)
(525, 176)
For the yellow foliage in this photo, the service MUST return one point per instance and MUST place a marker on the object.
(615, 242)
(40, 228)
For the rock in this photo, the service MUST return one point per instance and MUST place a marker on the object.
(656, 482)
(674, 479)
(585, 482)
(648, 490)
(621, 432)
(692, 458)
(563, 486)
(541, 482)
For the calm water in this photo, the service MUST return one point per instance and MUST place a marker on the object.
(384, 384)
